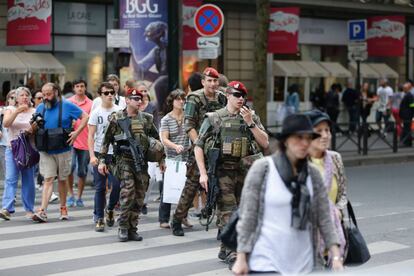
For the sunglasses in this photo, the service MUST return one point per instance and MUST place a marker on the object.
(106, 93)
(39, 98)
(238, 94)
(135, 98)
(11, 98)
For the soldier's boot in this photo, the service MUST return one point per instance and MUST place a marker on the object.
(176, 227)
(133, 236)
(222, 255)
(123, 234)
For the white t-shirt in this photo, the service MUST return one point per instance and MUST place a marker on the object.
(99, 118)
(384, 94)
(280, 247)
(98, 102)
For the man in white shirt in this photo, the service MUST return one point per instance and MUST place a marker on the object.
(384, 92)
(117, 99)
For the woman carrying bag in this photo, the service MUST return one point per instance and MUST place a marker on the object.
(284, 205)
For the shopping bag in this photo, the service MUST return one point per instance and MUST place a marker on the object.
(358, 252)
(174, 180)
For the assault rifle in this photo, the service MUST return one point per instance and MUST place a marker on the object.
(213, 188)
(134, 146)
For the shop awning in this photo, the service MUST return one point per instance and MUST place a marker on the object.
(366, 71)
(43, 63)
(288, 68)
(384, 70)
(336, 69)
(11, 64)
(313, 69)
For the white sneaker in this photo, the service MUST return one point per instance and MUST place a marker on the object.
(53, 198)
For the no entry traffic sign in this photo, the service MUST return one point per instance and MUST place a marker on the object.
(208, 20)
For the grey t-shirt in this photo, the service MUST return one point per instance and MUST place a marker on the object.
(177, 135)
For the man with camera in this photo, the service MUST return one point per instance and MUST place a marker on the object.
(54, 137)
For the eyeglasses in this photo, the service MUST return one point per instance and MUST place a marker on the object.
(106, 93)
(135, 98)
(238, 94)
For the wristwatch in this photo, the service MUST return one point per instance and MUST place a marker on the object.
(253, 125)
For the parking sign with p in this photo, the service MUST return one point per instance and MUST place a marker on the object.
(357, 30)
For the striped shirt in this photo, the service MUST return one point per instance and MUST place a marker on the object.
(177, 135)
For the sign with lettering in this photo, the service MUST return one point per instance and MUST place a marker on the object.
(283, 30)
(79, 19)
(28, 22)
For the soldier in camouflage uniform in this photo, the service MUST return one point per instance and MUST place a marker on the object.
(198, 103)
(132, 173)
(238, 133)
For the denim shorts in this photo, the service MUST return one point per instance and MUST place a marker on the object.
(81, 159)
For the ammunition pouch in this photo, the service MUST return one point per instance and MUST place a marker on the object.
(247, 161)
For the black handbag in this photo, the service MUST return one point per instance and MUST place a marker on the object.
(358, 252)
(228, 235)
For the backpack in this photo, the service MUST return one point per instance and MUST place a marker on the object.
(23, 153)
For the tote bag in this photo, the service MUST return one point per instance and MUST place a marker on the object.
(358, 252)
(174, 180)
(24, 154)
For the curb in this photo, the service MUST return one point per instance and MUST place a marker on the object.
(378, 159)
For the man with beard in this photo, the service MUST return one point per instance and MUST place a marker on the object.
(236, 131)
(57, 114)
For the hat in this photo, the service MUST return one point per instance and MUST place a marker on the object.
(211, 72)
(317, 116)
(237, 86)
(296, 124)
(133, 92)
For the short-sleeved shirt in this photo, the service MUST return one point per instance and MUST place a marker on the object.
(176, 134)
(384, 94)
(100, 118)
(70, 112)
(81, 141)
(20, 123)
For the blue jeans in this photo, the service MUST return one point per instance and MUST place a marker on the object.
(10, 185)
(99, 181)
(82, 158)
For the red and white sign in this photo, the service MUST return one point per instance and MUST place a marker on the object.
(386, 36)
(190, 34)
(283, 30)
(208, 20)
(28, 22)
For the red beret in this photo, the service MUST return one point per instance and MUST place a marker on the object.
(133, 92)
(211, 72)
(238, 86)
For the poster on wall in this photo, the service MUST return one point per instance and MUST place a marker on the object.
(28, 22)
(386, 36)
(147, 22)
(283, 30)
(190, 34)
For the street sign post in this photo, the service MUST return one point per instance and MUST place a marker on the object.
(208, 53)
(208, 20)
(357, 30)
(116, 38)
(208, 42)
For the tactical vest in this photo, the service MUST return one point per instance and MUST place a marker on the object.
(198, 97)
(231, 135)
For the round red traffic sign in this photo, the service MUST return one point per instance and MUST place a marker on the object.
(208, 20)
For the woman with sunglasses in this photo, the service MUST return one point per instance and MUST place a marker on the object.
(37, 97)
(283, 208)
(17, 119)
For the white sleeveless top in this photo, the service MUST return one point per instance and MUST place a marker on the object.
(280, 247)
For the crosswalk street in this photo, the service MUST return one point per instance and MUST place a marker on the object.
(73, 247)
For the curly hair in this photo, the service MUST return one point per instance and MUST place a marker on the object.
(169, 103)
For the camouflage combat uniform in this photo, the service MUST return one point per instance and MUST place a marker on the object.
(133, 183)
(230, 134)
(197, 105)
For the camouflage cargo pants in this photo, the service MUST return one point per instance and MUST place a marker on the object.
(133, 188)
(191, 186)
(231, 184)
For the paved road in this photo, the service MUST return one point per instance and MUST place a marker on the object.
(382, 198)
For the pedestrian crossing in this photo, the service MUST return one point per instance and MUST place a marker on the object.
(73, 247)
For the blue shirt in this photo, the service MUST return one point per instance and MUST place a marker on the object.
(70, 112)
